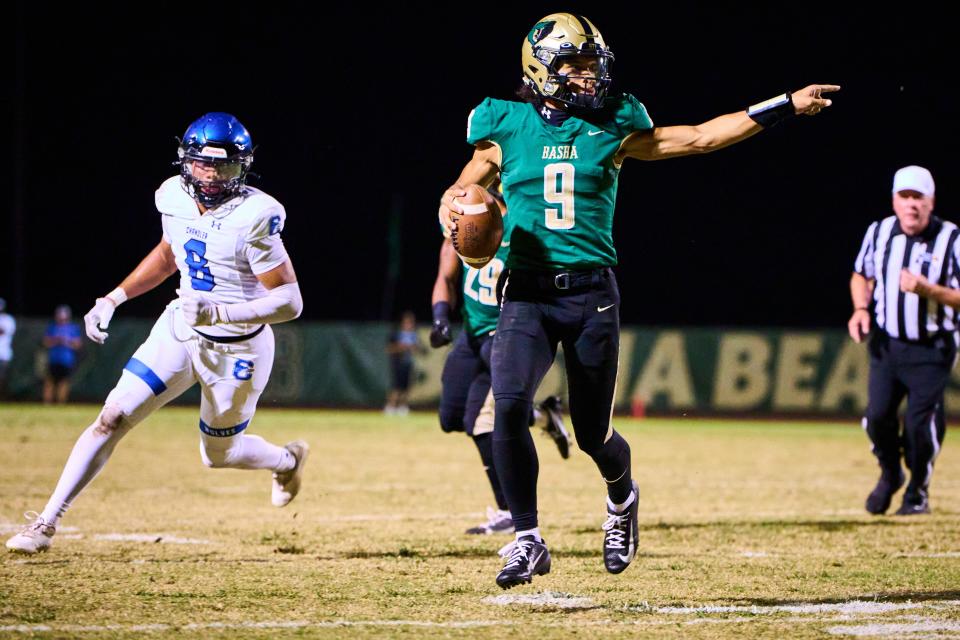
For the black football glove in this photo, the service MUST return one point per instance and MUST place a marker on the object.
(440, 334)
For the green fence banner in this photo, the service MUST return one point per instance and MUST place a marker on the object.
(693, 371)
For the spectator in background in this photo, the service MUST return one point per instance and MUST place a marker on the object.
(62, 341)
(7, 328)
(401, 347)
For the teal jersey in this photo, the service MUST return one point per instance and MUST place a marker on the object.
(560, 183)
(480, 310)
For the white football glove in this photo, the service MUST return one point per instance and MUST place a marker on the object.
(98, 319)
(199, 312)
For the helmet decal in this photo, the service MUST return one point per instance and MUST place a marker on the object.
(554, 42)
(540, 31)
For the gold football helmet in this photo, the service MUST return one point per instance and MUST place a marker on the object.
(559, 36)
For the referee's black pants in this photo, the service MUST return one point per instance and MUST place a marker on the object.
(540, 311)
(920, 372)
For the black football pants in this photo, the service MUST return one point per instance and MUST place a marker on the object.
(537, 315)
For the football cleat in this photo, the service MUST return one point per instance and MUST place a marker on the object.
(498, 521)
(915, 503)
(879, 499)
(286, 484)
(33, 538)
(621, 538)
(525, 558)
(553, 408)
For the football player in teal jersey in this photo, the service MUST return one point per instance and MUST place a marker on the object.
(559, 155)
(466, 403)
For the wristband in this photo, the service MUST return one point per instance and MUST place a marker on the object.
(773, 111)
(118, 296)
(441, 311)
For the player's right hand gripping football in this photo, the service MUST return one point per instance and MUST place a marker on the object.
(447, 205)
(98, 319)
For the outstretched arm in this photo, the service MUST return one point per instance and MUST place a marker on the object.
(156, 267)
(670, 142)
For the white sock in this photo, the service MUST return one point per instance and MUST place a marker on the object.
(535, 532)
(620, 508)
(539, 418)
(244, 452)
(90, 453)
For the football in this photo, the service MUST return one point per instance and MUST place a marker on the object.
(479, 229)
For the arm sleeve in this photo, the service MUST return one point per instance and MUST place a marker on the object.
(264, 248)
(281, 304)
(864, 262)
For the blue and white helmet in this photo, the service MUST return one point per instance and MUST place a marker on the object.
(224, 149)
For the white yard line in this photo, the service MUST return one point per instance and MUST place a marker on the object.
(895, 630)
(856, 607)
(545, 599)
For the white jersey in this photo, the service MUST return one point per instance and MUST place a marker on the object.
(220, 253)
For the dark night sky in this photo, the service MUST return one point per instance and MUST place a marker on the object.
(353, 109)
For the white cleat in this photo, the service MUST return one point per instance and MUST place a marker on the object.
(286, 484)
(498, 521)
(33, 538)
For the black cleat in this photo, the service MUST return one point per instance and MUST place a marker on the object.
(620, 541)
(889, 483)
(915, 503)
(555, 428)
(525, 558)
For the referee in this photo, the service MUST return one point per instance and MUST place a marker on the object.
(906, 280)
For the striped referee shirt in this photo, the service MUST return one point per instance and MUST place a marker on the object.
(933, 253)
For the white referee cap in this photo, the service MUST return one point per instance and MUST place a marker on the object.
(913, 178)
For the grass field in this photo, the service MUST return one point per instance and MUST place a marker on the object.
(747, 529)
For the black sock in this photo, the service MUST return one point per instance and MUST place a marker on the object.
(484, 444)
(613, 460)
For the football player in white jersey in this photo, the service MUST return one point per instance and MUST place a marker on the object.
(235, 281)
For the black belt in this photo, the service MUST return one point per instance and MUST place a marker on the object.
(936, 339)
(229, 339)
(559, 282)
